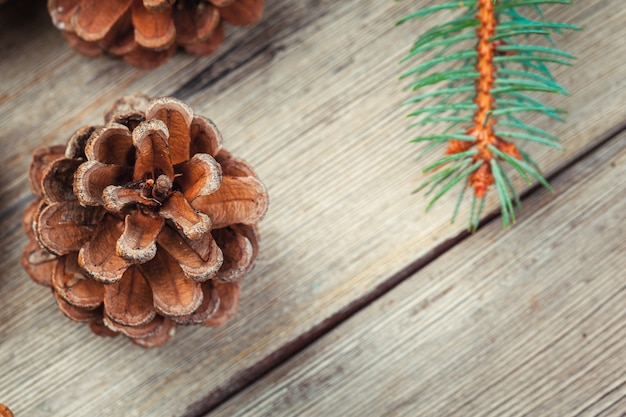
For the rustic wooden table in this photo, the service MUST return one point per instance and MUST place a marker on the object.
(361, 304)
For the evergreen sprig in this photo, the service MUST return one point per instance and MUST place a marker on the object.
(483, 96)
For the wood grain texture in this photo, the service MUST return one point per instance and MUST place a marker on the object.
(530, 322)
(310, 98)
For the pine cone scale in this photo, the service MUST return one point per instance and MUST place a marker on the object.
(153, 159)
(31, 213)
(64, 227)
(76, 145)
(146, 58)
(208, 308)
(73, 312)
(207, 139)
(177, 118)
(210, 45)
(98, 256)
(162, 335)
(192, 223)
(69, 282)
(56, 182)
(229, 303)
(236, 201)
(92, 177)
(129, 300)
(38, 262)
(153, 29)
(93, 20)
(174, 294)
(140, 331)
(237, 250)
(201, 175)
(42, 158)
(190, 259)
(195, 26)
(205, 248)
(137, 244)
(61, 12)
(243, 12)
(112, 144)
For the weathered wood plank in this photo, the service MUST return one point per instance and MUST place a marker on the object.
(48, 91)
(529, 322)
(315, 110)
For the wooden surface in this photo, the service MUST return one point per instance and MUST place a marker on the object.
(310, 98)
(530, 322)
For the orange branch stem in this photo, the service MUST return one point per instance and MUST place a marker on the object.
(482, 128)
(482, 178)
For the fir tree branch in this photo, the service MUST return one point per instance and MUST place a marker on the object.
(483, 90)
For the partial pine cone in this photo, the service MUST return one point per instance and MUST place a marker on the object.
(144, 222)
(4, 410)
(145, 33)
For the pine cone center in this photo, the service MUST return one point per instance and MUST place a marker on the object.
(160, 189)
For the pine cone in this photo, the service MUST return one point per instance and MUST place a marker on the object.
(4, 410)
(145, 33)
(144, 222)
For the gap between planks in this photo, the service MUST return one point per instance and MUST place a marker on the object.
(598, 154)
(299, 344)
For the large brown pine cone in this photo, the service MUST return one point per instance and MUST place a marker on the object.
(144, 222)
(145, 33)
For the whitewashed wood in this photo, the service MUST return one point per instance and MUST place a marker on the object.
(314, 107)
(529, 322)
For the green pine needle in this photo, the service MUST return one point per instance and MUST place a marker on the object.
(451, 119)
(448, 75)
(529, 24)
(442, 175)
(507, 211)
(501, 5)
(444, 108)
(454, 181)
(508, 110)
(521, 98)
(531, 75)
(442, 92)
(529, 58)
(458, 204)
(534, 48)
(429, 10)
(510, 84)
(454, 157)
(425, 66)
(432, 45)
(521, 167)
(456, 26)
(475, 215)
(527, 136)
(518, 32)
(531, 129)
(444, 137)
